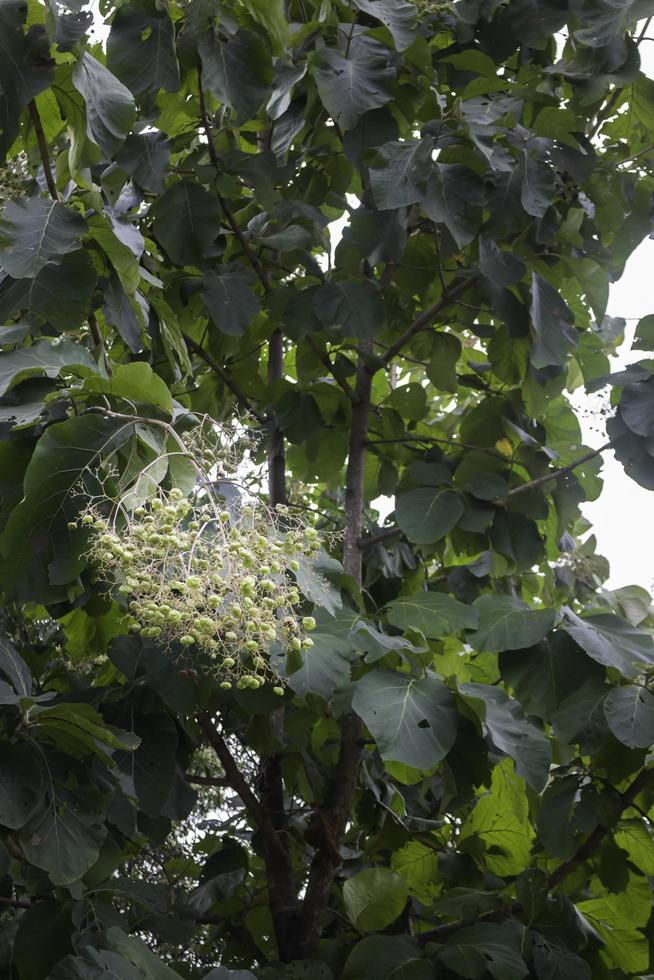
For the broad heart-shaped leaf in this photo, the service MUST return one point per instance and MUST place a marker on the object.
(61, 292)
(400, 174)
(506, 623)
(473, 951)
(141, 48)
(135, 382)
(110, 109)
(387, 958)
(25, 69)
(95, 964)
(63, 839)
(354, 306)
(21, 785)
(512, 733)
(537, 186)
(325, 667)
(152, 766)
(150, 966)
(553, 325)
(612, 641)
(186, 221)
(606, 21)
(426, 515)
(35, 231)
(145, 157)
(637, 407)
(349, 86)
(37, 528)
(374, 898)
(454, 198)
(42, 359)
(435, 614)
(229, 299)
(630, 713)
(500, 820)
(502, 268)
(619, 918)
(553, 960)
(413, 720)
(399, 17)
(238, 72)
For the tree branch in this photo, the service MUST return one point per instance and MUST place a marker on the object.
(224, 376)
(276, 454)
(557, 474)
(325, 361)
(43, 150)
(15, 903)
(199, 780)
(427, 316)
(98, 340)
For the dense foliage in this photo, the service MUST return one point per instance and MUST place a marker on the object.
(366, 245)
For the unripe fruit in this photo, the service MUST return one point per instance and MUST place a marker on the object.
(309, 623)
(225, 685)
(279, 691)
(229, 662)
(186, 640)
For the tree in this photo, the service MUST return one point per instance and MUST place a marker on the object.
(389, 724)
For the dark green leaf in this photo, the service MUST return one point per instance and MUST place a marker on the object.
(612, 642)
(63, 839)
(354, 306)
(509, 624)
(42, 359)
(630, 713)
(349, 86)
(33, 232)
(325, 667)
(553, 325)
(486, 947)
(21, 785)
(145, 157)
(454, 198)
(61, 293)
(110, 109)
(374, 898)
(403, 175)
(229, 299)
(238, 72)
(186, 221)
(502, 268)
(435, 614)
(399, 17)
(412, 720)
(426, 516)
(141, 48)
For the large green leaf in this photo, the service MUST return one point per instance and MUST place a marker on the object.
(413, 720)
(21, 785)
(384, 957)
(186, 221)
(64, 839)
(512, 733)
(427, 515)
(500, 820)
(435, 614)
(94, 964)
(61, 292)
(145, 157)
(612, 641)
(134, 383)
(35, 231)
(350, 86)
(355, 306)
(25, 68)
(553, 960)
(374, 898)
(509, 624)
(454, 198)
(401, 172)
(399, 17)
(553, 325)
(42, 359)
(229, 298)
(325, 667)
(629, 711)
(36, 528)
(619, 918)
(486, 947)
(110, 109)
(606, 21)
(238, 71)
(141, 48)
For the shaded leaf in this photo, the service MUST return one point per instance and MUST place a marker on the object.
(612, 642)
(509, 624)
(426, 516)
(374, 898)
(229, 298)
(35, 231)
(349, 86)
(238, 72)
(141, 48)
(629, 711)
(186, 221)
(435, 614)
(110, 109)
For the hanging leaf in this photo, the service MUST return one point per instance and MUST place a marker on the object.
(612, 642)
(186, 220)
(509, 624)
(33, 232)
(630, 713)
(427, 516)
(238, 72)
(401, 173)
(349, 86)
(110, 109)
(435, 614)
(553, 325)
(374, 898)
(141, 48)
(229, 298)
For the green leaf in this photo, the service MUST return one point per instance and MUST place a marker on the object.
(426, 516)
(14, 667)
(128, 314)
(516, 537)
(500, 820)
(64, 840)
(441, 370)
(553, 325)
(110, 109)
(435, 614)
(418, 865)
(134, 950)
(270, 14)
(94, 964)
(412, 720)
(537, 185)
(644, 334)
(120, 256)
(35, 231)
(141, 48)
(399, 17)
(325, 667)
(145, 157)
(350, 86)
(374, 898)
(21, 785)
(401, 173)
(238, 72)
(618, 918)
(636, 405)
(502, 268)
(512, 733)
(606, 21)
(629, 711)
(509, 624)
(25, 69)
(354, 306)
(63, 454)
(454, 198)
(485, 947)
(385, 957)
(186, 221)
(611, 641)
(61, 292)
(229, 299)
(134, 382)
(42, 359)
(554, 961)
(80, 721)
(634, 838)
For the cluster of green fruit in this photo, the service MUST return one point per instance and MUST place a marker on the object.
(206, 581)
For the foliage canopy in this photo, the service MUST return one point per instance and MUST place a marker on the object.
(453, 778)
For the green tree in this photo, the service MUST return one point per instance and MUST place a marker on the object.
(348, 258)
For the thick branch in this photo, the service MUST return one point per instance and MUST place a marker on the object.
(43, 150)
(427, 317)
(15, 903)
(224, 376)
(557, 474)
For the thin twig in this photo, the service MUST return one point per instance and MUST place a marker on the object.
(557, 474)
(99, 341)
(224, 376)
(15, 903)
(427, 317)
(200, 780)
(43, 150)
(325, 361)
